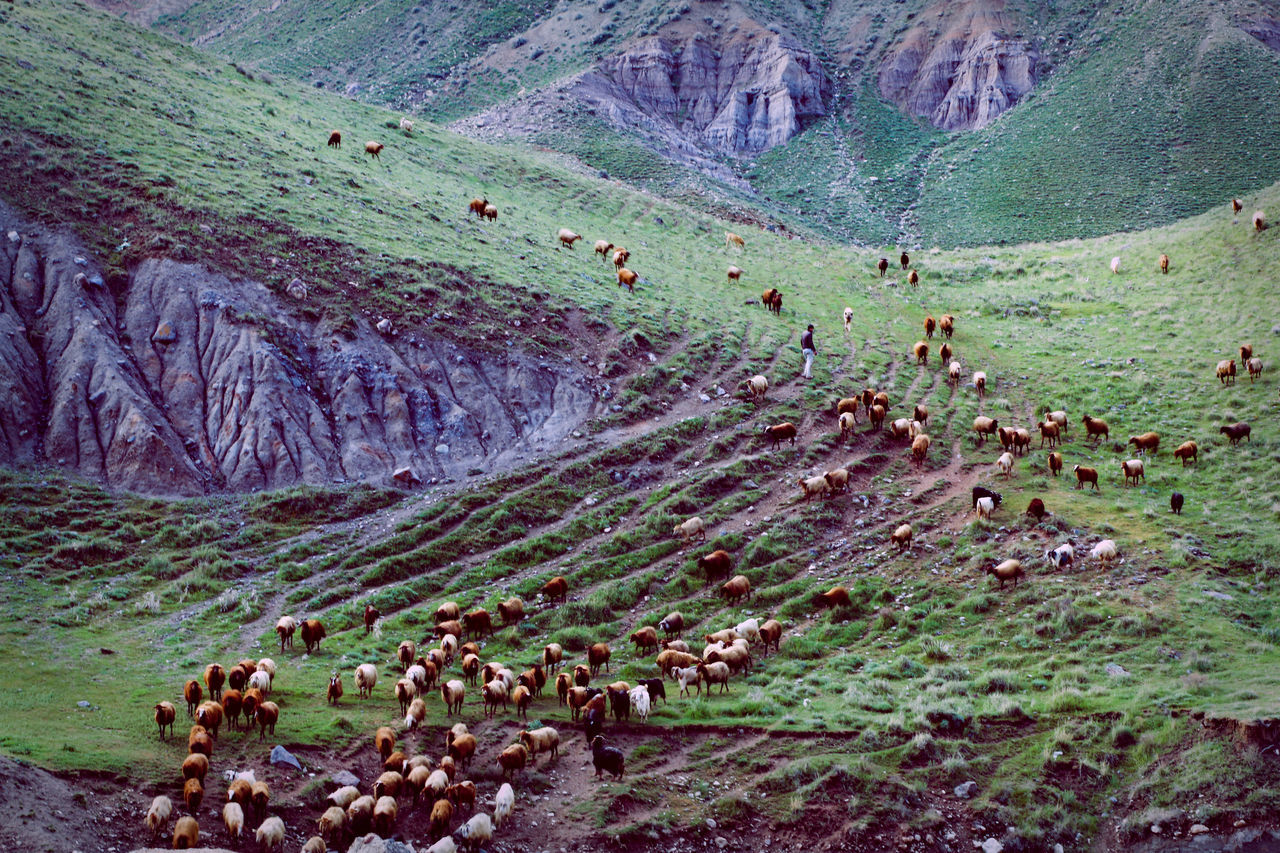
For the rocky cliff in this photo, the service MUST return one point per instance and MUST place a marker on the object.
(958, 65)
(181, 381)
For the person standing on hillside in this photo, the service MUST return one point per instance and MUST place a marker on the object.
(807, 349)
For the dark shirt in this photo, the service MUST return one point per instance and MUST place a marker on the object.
(806, 341)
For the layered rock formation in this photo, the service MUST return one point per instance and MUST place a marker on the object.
(958, 66)
(169, 384)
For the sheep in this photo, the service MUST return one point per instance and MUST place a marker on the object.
(1058, 416)
(476, 832)
(1061, 557)
(344, 796)
(193, 794)
(1246, 352)
(1005, 463)
(921, 352)
(772, 299)
(920, 449)
(672, 658)
(1175, 503)
(449, 611)
(384, 816)
(1105, 551)
(1096, 428)
(491, 212)
(984, 427)
(158, 814)
(186, 833)
(1227, 371)
(582, 675)
(731, 240)
(535, 679)
(597, 656)
(1132, 470)
(656, 689)
(848, 320)
(779, 433)
(477, 206)
(315, 844)
(645, 638)
(620, 258)
(477, 623)
(406, 125)
(837, 596)
(837, 479)
(373, 149)
(734, 273)
(771, 634)
(567, 237)
(1236, 205)
(236, 677)
(876, 417)
(1115, 265)
(209, 715)
(690, 528)
(929, 325)
(1148, 442)
(233, 819)
(985, 507)
(545, 739)
(260, 681)
(232, 703)
(285, 627)
(849, 405)
(1086, 475)
(902, 537)
(193, 694)
(214, 677)
(953, 373)
(312, 634)
(493, 692)
(366, 677)
(883, 266)
(947, 325)
(200, 741)
(388, 784)
(165, 715)
(513, 759)
(1164, 264)
(1055, 464)
(848, 420)
(462, 794)
(1050, 431)
(687, 676)
(812, 486)
(268, 716)
(462, 749)
(980, 382)
(673, 624)
(1259, 220)
(270, 834)
(627, 277)
(511, 611)
(1008, 570)
(736, 589)
(360, 814)
(641, 701)
(758, 386)
(602, 248)
(503, 804)
(335, 139)
(716, 672)
(1236, 431)
(881, 399)
(1188, 451)
(1255, 368)
(619, 696)
(556, 589)
(913, 278)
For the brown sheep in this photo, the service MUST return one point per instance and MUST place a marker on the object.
(645, 638)
(602, 249)
(1096, 428)
(1164, 264)
(1236, 431)
(597, 656)
(1148, 442)
(462, 750)
(984, 427)
(1036, 509)
(620, 258)
(441, 815)
(1227, 371)
(771, 635)
(883, 266)
(1086, 475)
(556, 589)
(920, 449)
(232, 702)
(1021, 440)
(200, 741)
(837, 479)
(905, 260)
(848, 404)
(780, 433)
(945, 352)
(902, 537)
(195, 766)
(1246, 352)
(837, 596)
(1188, 451)
(929, 326)
(921, 352)
(335, 689)
(165, 715)
(193, 794)
(491, 212)
(947, 325)
(914, 278)
(920, 413)
(513, 759)
(371, 616)
(1236, 205)
(186, 833)
(731, 239)
(405, 653)
(1051, 431)
(511, 611)
(477, 623)
(1255, 368)
(373, 149)
(567, 237)
(1055, 464)
(312, 634)
(452, 626)
(214, 677)
(1133, 469)
(876, 415)
(868, 396)
(1259, 221)
(736, 589)
(209, 715)
(335, 139)
(268, 716)
(627, 277)
(734, 273)
(478, 205)
(1008, 570)
(717, 564)
(775, 304)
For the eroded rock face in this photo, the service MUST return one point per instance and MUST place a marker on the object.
(743, 93)
(958, 66)
(172, 387)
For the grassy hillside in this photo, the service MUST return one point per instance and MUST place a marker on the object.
(864, 720)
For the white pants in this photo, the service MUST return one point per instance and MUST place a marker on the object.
(808, 362)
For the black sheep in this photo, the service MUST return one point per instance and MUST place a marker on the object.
(981, 492)
(656, 688)
(607, 758)
(1175, 503)
(593, 724)
(620, 703)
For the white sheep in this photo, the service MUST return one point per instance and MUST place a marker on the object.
(687, 676)
(985, 507)
(640, 702)
(261, 680)
(270, 834)
(476, 832)
(444, 845)
(158, 814)
(848, 320)
(233, 818)
(366, 678)
(749, 629)
(758, 386)
(1105, 551)
(1005, 462)
(980, 382)
(406, 125)
(953, 373)
(344, 796)
(1061, 557)
(1115, 264)
(503, 804)
(689, 529)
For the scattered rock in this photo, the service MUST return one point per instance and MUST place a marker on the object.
(83, 703)
(1116, 670)
(1156, 829)
(164, 334)
(345, 777)
(991, 845)
(966, 790)
(1197, 829)
(704, 398)
(711, 823)
(280, 755)
(1220, 596)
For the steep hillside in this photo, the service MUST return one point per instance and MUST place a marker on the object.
(1113, 705)
(1060, 119)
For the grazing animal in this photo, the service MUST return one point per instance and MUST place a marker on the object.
(814, 486)
(837, 479)
(953, 373)
(673, 625)
(1227, 371)
(905, 260)
(736, 589)
(270, 834)
(734, 273)
(980, 382)
(285, 628)
(1051, 431)
(921, 352)
(567, 237)
(1175, 502)
(1236, 431)
(627, 277)
(186, 833)
(848, 320)
(1164, 264)
(920, 449)
(233, 819)
(366, 677)
(758, 386)
(453, 694)
(1259, 221)
(876, 416)
(984, 492)
(1148, 442)
(491, 213)
(1005, 463)
(556, 589)
(1036, 509)
(373, 149)
(1236, 205)
(165, 715)
(371, 616)
(620, 258)
(477, 206)
(1086, 475)
(731, 240)
(929, 326)
(602, 249)
(837, 596)
(1133, 469)
(848, 420)
(406, 125)
(158, 814)
(1061, 557)
(913, 278)
(690, 528)
(1096, 428)
(312, 634)
(335, 139)
(1105, 551)
(1188, 451)
(607, 758)
(717, 564)
(1055, 464)
(780, 433)
(1246, 352)
(901, 537)
(1008, 570)
(985, 507)
(597, 656)
(1255, 368)
(1115, 265)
